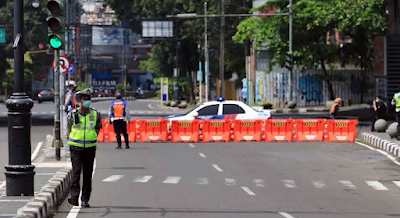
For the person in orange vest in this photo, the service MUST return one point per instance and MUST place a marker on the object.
(119, 116)
(70, 100)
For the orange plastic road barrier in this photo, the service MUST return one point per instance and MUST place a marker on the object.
(112, 136)
(342, 130)
(279, 130)
(132, 131)
(247, 130)
(310, 130)
(185, 131)
(153, 130)
(101, 137)
(216, 130)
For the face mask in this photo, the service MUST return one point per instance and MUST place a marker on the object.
(86, 104)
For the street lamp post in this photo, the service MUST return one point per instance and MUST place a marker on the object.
(19, 171)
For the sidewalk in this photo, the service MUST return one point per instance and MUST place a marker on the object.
(52, 180)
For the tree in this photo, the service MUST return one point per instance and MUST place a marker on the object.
(8, 81)
(312, 21)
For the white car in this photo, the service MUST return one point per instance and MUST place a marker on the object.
(221, 109)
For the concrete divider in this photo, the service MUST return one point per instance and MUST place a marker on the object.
(382, 144)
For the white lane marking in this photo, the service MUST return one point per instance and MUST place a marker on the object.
(73, 213)
(217, 168)
(286, 215)
(319, 184)
(113, 178)
(143, 179)
(259, 183)
(348, 184)
(202, 181)
(8, 215)
(230, 182)
(192, 145)
(202, 155)
(14, 200)
(248, 191)
(377, 185)
(397, 183)
(289, 183)
(380, 151)
(151, 106)
(36, 151)
(172, 180)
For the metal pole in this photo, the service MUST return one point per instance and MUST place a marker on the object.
(123, 59)
(176, 88)
(206, 55)
(222, 50)
(19, 171)
(57, 135)
(291, 49)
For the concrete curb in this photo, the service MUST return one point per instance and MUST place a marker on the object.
(382, 144)
(42, 205)
(111, 99)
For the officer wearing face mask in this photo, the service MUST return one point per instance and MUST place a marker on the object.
(85, 124)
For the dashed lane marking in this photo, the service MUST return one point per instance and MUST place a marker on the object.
(348, 184)
(248, 191)
(289, 183)
(202, 155)
(217, 168)
(319, 184)
(113, 178)
(230, 182)
(377, 185)
(202, 181)
(259, 182)
(192, 145)
(397, 183)
(142, 179)
(172, 180)
(286, 215)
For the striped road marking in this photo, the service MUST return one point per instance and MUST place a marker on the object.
(259, 183)
(286, 215)
(217, 168)
(143, 179)
(113, 178)
(248, 191)
(348, 184)
(397, 183)
(202, 155)
(289, 183)
(192, 145)
(319, 184)
(172, 180)
(230, 182)
(377, 185)
(202, 181)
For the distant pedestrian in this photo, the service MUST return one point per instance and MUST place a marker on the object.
(335, 108)
(119, 116)
(244, 94)
(85, 124)
(70, 100)
(396, 102)
(379, 112)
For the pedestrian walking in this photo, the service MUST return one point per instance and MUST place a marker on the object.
(85, 124)
(119, 116)
(335, 108)
(396, 102)
(244, 94)
(379, 111)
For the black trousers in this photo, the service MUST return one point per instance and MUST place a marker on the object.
(120, 127)
(398, 126)
(82, 160)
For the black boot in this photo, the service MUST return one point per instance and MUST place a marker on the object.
(119, 147)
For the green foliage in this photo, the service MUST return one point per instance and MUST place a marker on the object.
(267, 104)
(128, 87)
(8, 80)
(81, 86)
(119, 87)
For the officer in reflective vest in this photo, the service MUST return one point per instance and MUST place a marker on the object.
(119, 116)
(85, 124)
(396, 102)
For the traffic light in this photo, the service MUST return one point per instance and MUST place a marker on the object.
(56, 23)
(289, 61)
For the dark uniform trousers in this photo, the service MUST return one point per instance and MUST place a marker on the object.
(82, 159)
(120, 127)
(398, 126)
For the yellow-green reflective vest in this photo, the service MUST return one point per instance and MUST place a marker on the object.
(397, 98)
(83, 134)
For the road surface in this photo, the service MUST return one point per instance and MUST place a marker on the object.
(229, 180)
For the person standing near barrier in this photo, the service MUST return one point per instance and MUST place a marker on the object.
(379, 108)
(335, 108)
(85, 124)
(70, 100)
(119, 116)
(396, 102)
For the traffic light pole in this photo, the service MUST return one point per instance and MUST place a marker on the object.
(57, 130)
(291, 49)
(19, 171)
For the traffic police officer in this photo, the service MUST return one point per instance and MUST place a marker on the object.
(396, 102)
(85, 124)
(70, 100)
(119, 116)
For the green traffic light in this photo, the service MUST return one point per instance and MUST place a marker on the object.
(55, 42)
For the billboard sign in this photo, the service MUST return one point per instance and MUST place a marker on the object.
(157, 29)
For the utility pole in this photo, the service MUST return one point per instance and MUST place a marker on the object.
(206, 55)
(176, 70)
(123, 59)
(291, 49)
(222, 49)
(57, 132)
(19, 171)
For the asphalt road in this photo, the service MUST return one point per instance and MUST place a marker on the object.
(38, 134)
(300, 180)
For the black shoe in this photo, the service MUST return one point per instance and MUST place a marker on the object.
(73, 202)
(119, 147)
(127, 147)
(85, 204)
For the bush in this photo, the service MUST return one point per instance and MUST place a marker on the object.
(267, 105)
(128, 87)
(119, 87)
(81, 86)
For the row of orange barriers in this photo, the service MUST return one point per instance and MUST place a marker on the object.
(270, 130)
